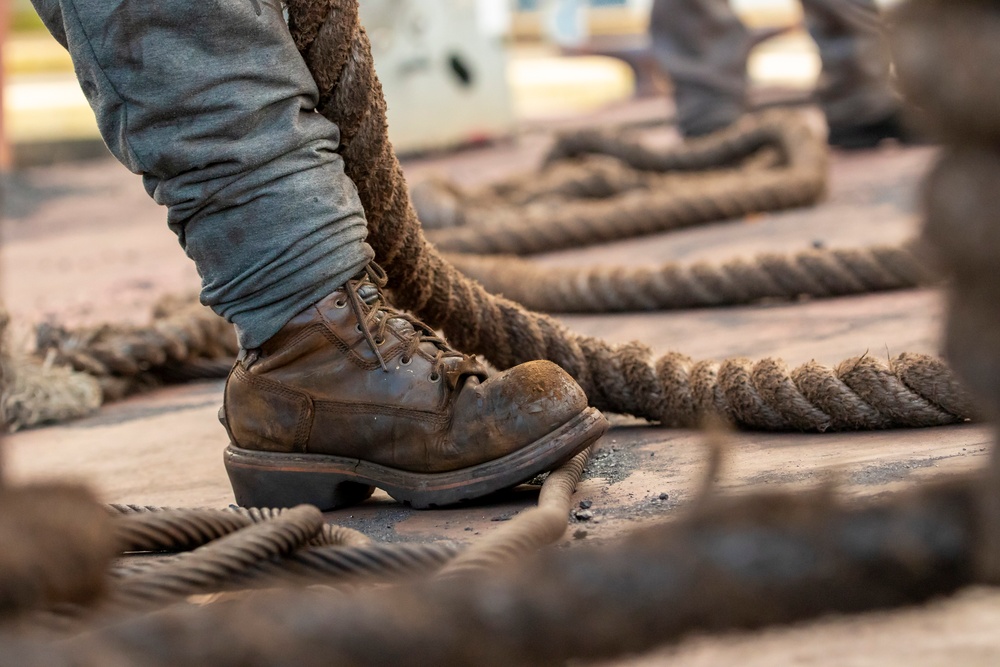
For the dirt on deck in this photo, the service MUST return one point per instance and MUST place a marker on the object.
(82, 243)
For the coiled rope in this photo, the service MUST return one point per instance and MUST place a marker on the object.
(666, 201)
(816, 273)
(529, 530)
(185, 341)
(944, 51)
(803, 556)
(240, 548)
(210, 566)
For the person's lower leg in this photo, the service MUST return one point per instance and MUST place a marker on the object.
(854, 88)
(213, 105)
(703, 47)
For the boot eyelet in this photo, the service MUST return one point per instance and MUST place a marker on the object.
(434, 377)
(405, 361)
(379, 340)
(340, 303)
(357, 327)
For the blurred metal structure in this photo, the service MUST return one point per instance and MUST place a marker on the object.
(442, 64)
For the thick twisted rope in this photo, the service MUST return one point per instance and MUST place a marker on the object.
(859, 393)
(34, 391)
(531, 529)
(329, 535)
(582, 186)
(216, 563)
(151, 528)
(332, 553)
(372, 563)
(591, 164)
(800, 556)
(175, 530)
(816, 273)
(724, 148)
(249, 556)
(442, 204)
(259, 547)
(667, 202)
(187, 342)
(961, 103)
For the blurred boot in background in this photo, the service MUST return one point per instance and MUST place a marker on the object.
(703, 47)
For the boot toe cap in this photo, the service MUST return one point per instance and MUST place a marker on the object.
(543, 393)
(518, 407)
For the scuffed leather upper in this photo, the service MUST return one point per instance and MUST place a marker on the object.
(317, 387)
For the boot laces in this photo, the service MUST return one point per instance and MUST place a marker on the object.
(374, 314)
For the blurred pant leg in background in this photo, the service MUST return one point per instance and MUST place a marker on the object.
(854, 89)
(703, 47)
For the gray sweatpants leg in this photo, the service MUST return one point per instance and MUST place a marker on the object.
(703, 47)
(854, 88)
(212, 104)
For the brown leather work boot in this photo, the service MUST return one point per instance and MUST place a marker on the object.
(352, 394)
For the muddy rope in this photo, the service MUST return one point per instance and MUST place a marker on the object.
(860, 393)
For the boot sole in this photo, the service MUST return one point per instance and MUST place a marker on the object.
(270, 479)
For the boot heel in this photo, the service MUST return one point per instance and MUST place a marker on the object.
(256, 485)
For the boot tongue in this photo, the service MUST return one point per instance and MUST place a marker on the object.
(467, 367)
(368, 293)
